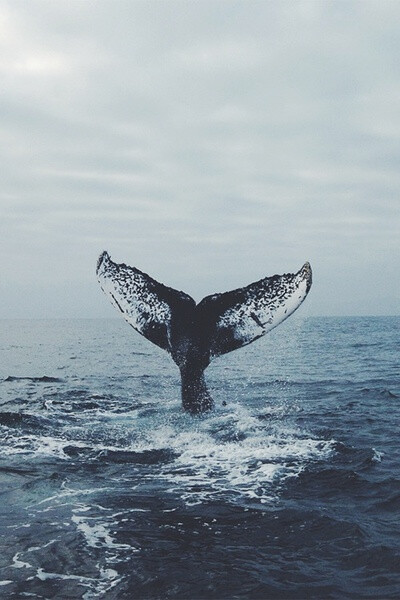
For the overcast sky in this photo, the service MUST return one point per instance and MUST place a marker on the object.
(207, 143)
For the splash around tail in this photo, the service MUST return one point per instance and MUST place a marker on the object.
(194, 334)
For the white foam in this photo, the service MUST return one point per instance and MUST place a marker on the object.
(250, 459)
(37, 445)
(231, 452)
(43, 576)
(34, 548)
(377, 455)
(19, 564)
(97, 534)
(98, 586)
(68, 494)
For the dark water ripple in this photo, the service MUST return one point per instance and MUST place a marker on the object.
(291, 490)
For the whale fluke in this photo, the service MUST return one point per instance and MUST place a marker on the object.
(241, 316)
(148, 306)
(194, 334)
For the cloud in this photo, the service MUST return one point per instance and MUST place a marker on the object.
(208, 143)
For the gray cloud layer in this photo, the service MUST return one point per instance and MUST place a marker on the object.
(207, 143)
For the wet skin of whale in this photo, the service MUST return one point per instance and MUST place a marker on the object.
(195, 334)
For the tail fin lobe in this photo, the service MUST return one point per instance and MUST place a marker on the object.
(241, 316)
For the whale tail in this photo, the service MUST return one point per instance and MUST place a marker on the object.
(196, 334)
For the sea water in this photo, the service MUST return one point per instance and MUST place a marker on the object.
(290, 490)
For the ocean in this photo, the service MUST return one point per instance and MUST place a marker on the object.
(290, 490)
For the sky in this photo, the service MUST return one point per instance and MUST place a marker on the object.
(209, 144)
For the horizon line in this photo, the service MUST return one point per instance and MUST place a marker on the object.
(346, 316)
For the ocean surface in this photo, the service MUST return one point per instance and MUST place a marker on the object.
(291, 490)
